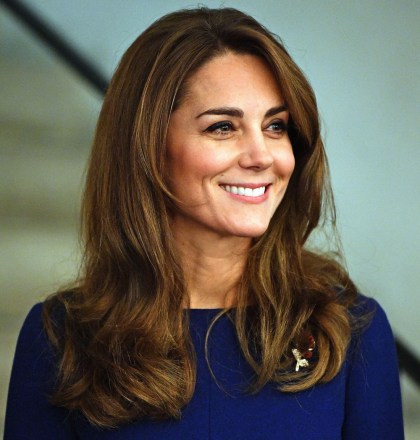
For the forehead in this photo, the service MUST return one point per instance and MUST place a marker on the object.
(231, 76)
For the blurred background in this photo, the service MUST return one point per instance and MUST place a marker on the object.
(362, 60)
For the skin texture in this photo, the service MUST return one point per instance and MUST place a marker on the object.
(230, 129)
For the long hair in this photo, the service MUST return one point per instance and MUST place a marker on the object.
(121, 335)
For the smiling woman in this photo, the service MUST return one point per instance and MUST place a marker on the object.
(228, 168)
(229, 165)
(200, 312)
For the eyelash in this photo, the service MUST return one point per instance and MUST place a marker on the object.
(219, 127)
(282, 126)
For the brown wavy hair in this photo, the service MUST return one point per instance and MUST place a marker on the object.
(123, 345)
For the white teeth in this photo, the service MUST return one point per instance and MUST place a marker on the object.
(258, 191)
(242, 191)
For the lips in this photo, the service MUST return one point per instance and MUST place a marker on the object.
(245, 190)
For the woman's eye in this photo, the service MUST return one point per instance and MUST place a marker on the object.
(220, 128)
(279, 126)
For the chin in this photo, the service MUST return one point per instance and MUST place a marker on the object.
(253, 231)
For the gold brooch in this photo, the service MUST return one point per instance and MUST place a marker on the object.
(302, 358)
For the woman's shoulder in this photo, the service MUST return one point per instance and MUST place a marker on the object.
(369, 318)
(34, 336)
(35, 314)
(32, 342)
(29, 413)
(372, 337)
(372, 373)
(34, 318)
(32, 325)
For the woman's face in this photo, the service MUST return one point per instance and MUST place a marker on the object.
(229, 157)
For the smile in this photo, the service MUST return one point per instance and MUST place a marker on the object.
(244, 191)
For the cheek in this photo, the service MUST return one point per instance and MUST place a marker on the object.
(179, 161)
(187, 170)
(285, 163)
(197, 163)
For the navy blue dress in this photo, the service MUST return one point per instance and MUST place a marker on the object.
(361, 403)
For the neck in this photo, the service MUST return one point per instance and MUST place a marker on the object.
(212, 266)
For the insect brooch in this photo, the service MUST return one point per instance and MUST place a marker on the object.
(302, 358)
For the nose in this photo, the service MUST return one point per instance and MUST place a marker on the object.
(255, 153)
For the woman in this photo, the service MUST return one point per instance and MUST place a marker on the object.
(200, 313)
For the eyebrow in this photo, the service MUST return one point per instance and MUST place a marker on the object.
(238, 113)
